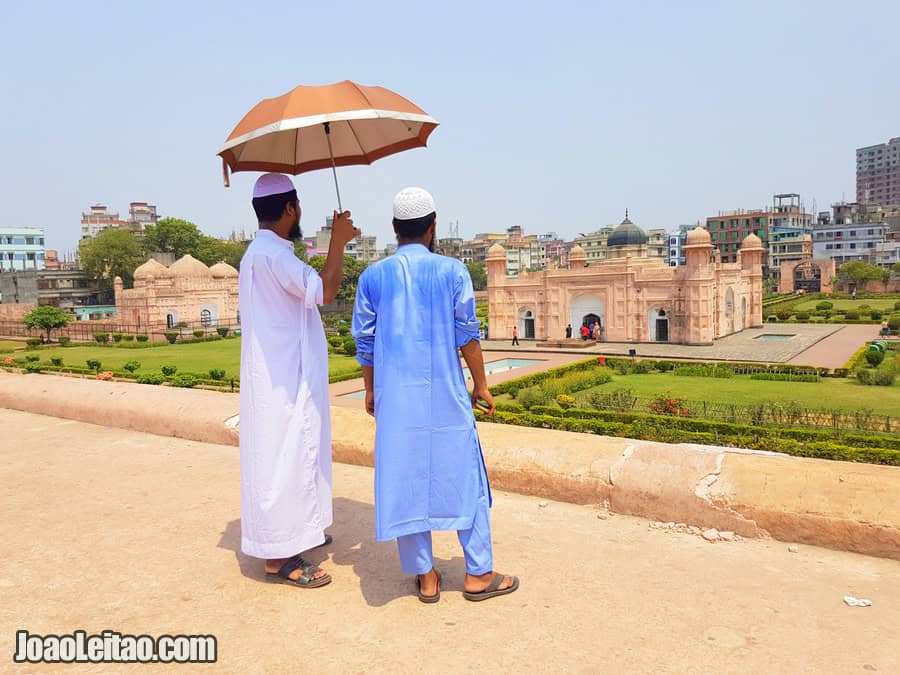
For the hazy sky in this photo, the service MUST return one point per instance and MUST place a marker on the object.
(554, 115)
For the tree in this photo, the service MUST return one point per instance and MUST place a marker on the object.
(112, 253)
(172, 235)
(352, 269)
(211, 250)
(479, 275)
(895, 269)
(858, 272)
(46, 318)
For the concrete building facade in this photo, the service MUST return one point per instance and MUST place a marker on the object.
(878, 173)
(22, 248)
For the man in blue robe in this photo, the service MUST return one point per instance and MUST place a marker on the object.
(414, 312)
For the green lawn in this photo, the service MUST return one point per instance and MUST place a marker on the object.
(885, 305)
(198, 358)
(7, 346)
(827, 394)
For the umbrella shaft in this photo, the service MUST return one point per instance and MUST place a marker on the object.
(333, 166)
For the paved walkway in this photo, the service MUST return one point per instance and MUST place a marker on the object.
(837, 349)
(109, 529)
(748, 345)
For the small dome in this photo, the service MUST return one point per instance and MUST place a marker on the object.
(577, 252)
(496, 251)
(699, 237)
(223, 270)
(151, 268)
(189, 266)
(626, 234)
(751, 241)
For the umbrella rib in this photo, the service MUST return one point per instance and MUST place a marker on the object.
(362, 150)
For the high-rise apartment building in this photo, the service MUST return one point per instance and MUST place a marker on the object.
(99, 218)
(21, 248)
(878, 173)
(141, 214)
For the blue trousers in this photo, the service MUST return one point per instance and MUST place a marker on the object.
(416, 555)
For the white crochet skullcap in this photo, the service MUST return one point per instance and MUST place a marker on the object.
(413, 202)
(272, 184)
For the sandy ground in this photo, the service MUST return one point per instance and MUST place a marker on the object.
(111, 529)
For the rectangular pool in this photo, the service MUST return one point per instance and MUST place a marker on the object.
(775, 336)
(499, 366)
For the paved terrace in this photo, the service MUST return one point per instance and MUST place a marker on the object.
(809, 344)
(114, 529)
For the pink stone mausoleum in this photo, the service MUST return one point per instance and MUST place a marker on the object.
(187, 291)
(635, 298)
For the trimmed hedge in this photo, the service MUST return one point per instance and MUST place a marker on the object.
(784, 377)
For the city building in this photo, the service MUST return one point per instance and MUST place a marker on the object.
(99, 218)
(21, 248)
(70, 290)
(141, 214)
(185, 292)
(634, 297)
(677, 241)
(878, 173)
(786, 218)
(594, 243)
(363, 248)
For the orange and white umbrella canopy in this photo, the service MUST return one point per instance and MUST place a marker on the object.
(312, 128)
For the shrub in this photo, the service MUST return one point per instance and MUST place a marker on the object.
(666, 404)
(875, 358)
(102, 338)
(864, 308)
(222, 331)
(531, 396)
(783, 315)
(128, 338)
(142, 338)
(841, 372)
(621, 400)
(216, 374)
(343, 330)
(825, 305)
(897, 305)
(882, 376)
(785, 377)
(32, 358)
(56, 361)
(642, 367)
(117, 337)
(132, 366)
(703, 370)
(33, 367)
(151, 378)
(185, 381)
(665, 366)
(33, 342)
(772, 319)
(565, 402)
(349, 346)
(894, 322)
(199, 333)
(93, 364)
(171, 336)
(852, 315)
(569, 383)
(802, 316)
(169, 371)
(64, 340)
(875, 315)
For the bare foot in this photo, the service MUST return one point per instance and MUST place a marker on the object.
(476, 584)
(429, 582)
(272, 567)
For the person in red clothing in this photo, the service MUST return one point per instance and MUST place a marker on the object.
(585, 332)
(515, 336)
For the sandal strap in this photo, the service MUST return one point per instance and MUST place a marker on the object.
(297, 563)
(495, 583)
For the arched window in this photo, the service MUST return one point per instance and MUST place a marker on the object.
(170, 321)
(205, 317)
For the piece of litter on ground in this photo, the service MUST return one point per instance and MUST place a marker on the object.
(793, 549)
(543, 505)
(857, 602)
(601, 516)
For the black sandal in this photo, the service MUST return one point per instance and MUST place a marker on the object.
(493, 590)
(305, 580)
(428, 599)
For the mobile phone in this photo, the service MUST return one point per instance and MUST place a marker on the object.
(481, 404)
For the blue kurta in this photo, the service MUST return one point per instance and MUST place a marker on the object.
(413, 311)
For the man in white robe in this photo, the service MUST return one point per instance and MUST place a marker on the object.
(285, 425)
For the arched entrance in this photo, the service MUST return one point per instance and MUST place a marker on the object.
(729, 311)
(584, 309)
(808, 277)
(170, 320)
(659, 325)
(526, 323)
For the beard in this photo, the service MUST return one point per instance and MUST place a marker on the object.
(295, 233)
(431, 244)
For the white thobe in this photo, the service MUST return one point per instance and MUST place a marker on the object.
(285, 425)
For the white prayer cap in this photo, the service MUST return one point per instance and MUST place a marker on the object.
(272, 184)
(413, 202)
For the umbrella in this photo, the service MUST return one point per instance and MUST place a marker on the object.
(311, 128)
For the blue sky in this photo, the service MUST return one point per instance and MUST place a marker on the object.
(554, 115)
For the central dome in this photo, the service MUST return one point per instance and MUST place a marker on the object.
(627, 234)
